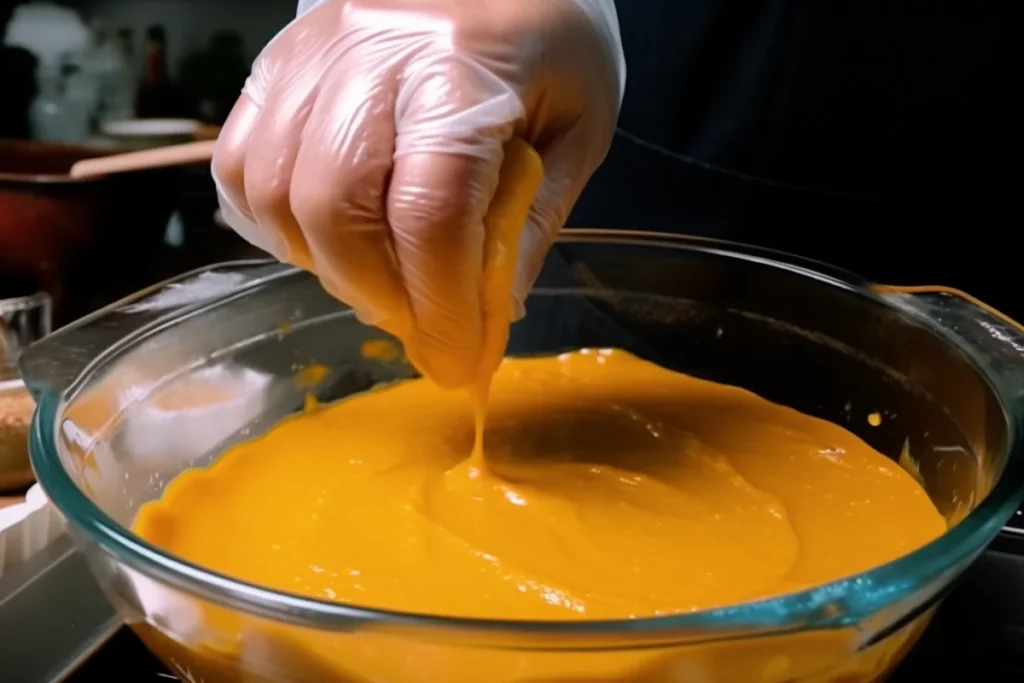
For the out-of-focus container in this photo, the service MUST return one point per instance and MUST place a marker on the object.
(16, 408)
(944, 372)
(58, 115)
(51, 223)
(23, 320)
(49, 30)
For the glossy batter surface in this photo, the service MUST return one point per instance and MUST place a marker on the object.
(610, 488)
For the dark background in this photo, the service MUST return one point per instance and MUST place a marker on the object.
(881, 136)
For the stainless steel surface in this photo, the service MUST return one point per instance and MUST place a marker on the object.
(53, 616)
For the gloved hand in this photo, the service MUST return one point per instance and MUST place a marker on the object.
(367, 143)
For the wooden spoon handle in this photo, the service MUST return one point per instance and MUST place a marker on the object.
(173, 155)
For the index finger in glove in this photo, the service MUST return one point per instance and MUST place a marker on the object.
(436, 207)
(454, 120)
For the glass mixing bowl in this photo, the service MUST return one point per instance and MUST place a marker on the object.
(167, 379)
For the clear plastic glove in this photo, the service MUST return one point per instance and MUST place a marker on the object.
(367, 143)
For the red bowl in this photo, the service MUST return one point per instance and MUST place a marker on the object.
(50, 222)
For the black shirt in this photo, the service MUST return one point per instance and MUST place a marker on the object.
(878, 135)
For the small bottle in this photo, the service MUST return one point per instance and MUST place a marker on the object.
(154, 98)
(117, 78)
(54, 117)
(128, 78)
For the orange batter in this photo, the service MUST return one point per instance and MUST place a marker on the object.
(614, 488)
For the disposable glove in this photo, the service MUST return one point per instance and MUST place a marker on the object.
(367, 144)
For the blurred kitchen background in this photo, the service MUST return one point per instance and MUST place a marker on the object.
(899, 171)
(77, 77)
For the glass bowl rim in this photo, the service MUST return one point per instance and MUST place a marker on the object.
(860, 595)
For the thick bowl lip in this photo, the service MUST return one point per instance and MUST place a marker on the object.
(837, 604)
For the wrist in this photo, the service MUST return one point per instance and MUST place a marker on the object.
(606, 20)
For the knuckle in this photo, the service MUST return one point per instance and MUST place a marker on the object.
(267, 190)
(263, 73)
(324, 202)
(312, 203)
(435, 194)
(229, 167)
(362, 196)
(423, 211)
